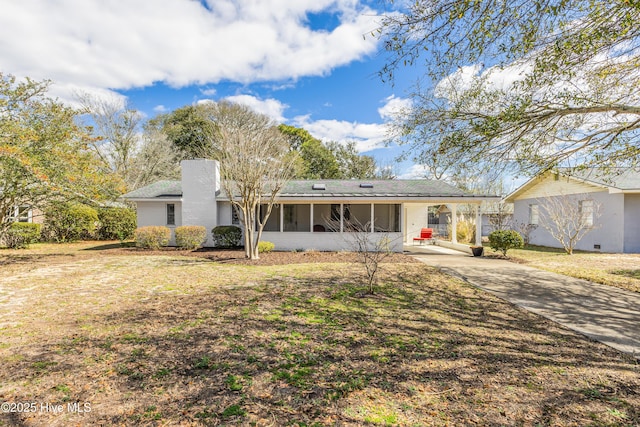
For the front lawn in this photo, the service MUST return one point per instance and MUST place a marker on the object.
(620, 270)
(171, 339)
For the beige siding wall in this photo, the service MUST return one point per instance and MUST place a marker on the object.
(549, 186)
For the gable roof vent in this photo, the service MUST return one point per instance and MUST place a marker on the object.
(319, 187)
(366, 185)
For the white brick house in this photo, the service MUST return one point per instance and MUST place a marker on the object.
(309, 214)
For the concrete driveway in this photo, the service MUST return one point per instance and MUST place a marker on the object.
(604, 313)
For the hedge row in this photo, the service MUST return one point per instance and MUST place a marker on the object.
(188, 236)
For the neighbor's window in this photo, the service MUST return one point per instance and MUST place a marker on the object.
(171, 214)
(533, 214)
(297, 217)
(386, 218)
(23, 214)
(586, 211)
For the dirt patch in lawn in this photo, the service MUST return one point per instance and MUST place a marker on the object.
(168, 339)
(237, 256)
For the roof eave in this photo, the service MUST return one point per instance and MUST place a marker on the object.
(370, 198)
(154, 199)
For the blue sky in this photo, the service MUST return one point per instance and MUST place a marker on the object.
(307, 63)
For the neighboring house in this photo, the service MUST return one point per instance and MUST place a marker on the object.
(25, 214)
(617, 229)
(309, 214)
(496, 216)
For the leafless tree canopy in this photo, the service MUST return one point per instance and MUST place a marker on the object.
(371, 248)
(255, 163)
(116, 127)
(569, 217)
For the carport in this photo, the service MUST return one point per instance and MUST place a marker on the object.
(416, 216)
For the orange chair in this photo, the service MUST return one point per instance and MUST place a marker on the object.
(426, 234)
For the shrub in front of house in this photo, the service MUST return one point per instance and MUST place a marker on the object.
(67, 222)
(116, 223)
(29, 230)
(21, 234)
(226, 236)
(152, 237)
(191, 236)
(264, 247)
(503, 240)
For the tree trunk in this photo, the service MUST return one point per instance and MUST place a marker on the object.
(251, 245)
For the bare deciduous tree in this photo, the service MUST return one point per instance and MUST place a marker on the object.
(156, 159)
(371, 248)
(569, 217)
(500, 215)
(525, 231)
(255, 163)
(116, 127)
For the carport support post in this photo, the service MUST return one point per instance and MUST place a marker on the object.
(454, 223)
(478, 225)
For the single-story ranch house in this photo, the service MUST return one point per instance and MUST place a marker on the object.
(309, 214)
(616, 229)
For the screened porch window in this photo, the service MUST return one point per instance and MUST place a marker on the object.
(273, 223)
(386, 218)
(326, 217)
(297, 217)
(358, 217)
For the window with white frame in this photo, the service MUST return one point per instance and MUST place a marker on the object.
(586, 212)
(23, 214)
(20, 214)
(533, 214)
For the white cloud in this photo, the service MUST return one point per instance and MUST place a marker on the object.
(414, 172)
(71, 93)
(394, 106)
(123, 44)
(269, 107)
(367, 136)
(160, 109)
(496, 78)
(208, 91)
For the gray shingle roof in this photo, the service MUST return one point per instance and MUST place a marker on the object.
(333, 188)
(622, 179)
(156, 190)
(378, 188)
